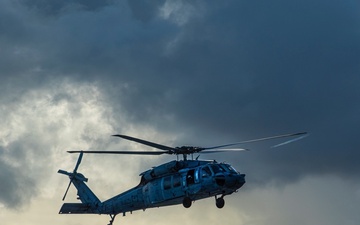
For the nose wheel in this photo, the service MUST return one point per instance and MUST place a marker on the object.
(220, 202)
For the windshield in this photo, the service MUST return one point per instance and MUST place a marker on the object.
(228, 168)
(217, 169)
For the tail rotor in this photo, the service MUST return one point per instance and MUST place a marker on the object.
(73, 175)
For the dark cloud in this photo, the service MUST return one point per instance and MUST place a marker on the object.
(228, 71)
(57, 7)
(245, 71)
(145, 10)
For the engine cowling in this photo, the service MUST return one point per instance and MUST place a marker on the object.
(163, 170)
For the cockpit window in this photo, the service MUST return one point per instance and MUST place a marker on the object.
(217, 169)
(228, 168)
(205, 172)
(225, 167)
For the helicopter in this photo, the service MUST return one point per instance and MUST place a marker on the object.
(175, 182)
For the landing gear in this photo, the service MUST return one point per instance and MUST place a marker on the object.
(187, 202)
(220, 202)
(112, 219)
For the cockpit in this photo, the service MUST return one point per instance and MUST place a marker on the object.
(213, 169)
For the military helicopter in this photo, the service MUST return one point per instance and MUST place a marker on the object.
(175, 182)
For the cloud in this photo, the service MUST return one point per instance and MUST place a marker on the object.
(16, 186)
(180, 12)
(40, 124)
(58, 7)
(145, 10)
(179, 73)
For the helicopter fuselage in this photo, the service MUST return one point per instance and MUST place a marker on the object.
(176, 182)
(200, 179)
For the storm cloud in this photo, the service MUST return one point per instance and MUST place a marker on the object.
(180, 73)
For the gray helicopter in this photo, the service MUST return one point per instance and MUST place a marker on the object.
(176, 182)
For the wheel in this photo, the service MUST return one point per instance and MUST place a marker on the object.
(187, 202)
(220, 202)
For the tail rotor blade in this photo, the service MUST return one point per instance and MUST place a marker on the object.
(73, 174)
(78, 162)
(67, 189)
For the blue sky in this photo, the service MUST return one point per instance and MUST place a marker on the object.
(178, 73)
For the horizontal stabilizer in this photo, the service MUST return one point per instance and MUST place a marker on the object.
(76, 208)
(77, 176)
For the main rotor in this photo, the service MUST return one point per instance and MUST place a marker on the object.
(190, 150)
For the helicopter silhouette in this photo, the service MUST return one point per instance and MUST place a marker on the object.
(175, 182)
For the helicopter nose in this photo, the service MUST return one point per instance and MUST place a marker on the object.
(240, 180)
(230, 181)
(237, 181)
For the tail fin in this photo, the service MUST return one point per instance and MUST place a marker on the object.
(90, 202)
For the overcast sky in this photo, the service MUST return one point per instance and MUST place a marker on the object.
(200, 73)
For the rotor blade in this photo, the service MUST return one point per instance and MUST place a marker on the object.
(224, 150)
(289, 141)
(123, 152)
(67, 189)
(148, 143)
(78, 161)
(256, 140)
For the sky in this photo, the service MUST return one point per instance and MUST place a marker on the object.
(199, 73)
